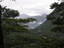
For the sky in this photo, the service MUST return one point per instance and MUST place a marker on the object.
(30, 7)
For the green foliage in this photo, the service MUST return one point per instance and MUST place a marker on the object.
(50, 17)
(7, 13)
(29, 41)
(17, 36)
(57, 20)
(11, 25)
(58, 29)
(54, 5)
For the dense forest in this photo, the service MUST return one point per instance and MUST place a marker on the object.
(16, 35)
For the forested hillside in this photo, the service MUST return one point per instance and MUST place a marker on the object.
(18, 36)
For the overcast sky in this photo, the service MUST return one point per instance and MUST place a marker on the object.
(30, 7)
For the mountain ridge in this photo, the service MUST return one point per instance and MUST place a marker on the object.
(40, 19)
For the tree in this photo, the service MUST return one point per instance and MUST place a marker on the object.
(9, 24)
(57, 20)
(1, 34)
(10, 13)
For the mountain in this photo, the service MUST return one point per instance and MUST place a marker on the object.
(40, 19)
(23, 16)
(44, 29)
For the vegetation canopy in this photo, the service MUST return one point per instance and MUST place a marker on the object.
(15, 33)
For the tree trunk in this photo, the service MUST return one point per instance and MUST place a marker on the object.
(1, 33)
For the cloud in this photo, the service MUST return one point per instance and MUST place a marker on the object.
(30, 7)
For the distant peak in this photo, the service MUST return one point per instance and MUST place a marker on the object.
(43, 15)
(24, 14)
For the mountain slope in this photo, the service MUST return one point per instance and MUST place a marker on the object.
(39, 21)
(23, 16)
(45, 30)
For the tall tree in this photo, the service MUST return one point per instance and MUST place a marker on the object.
(9, 24)
(1, 34)
(57, 20)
